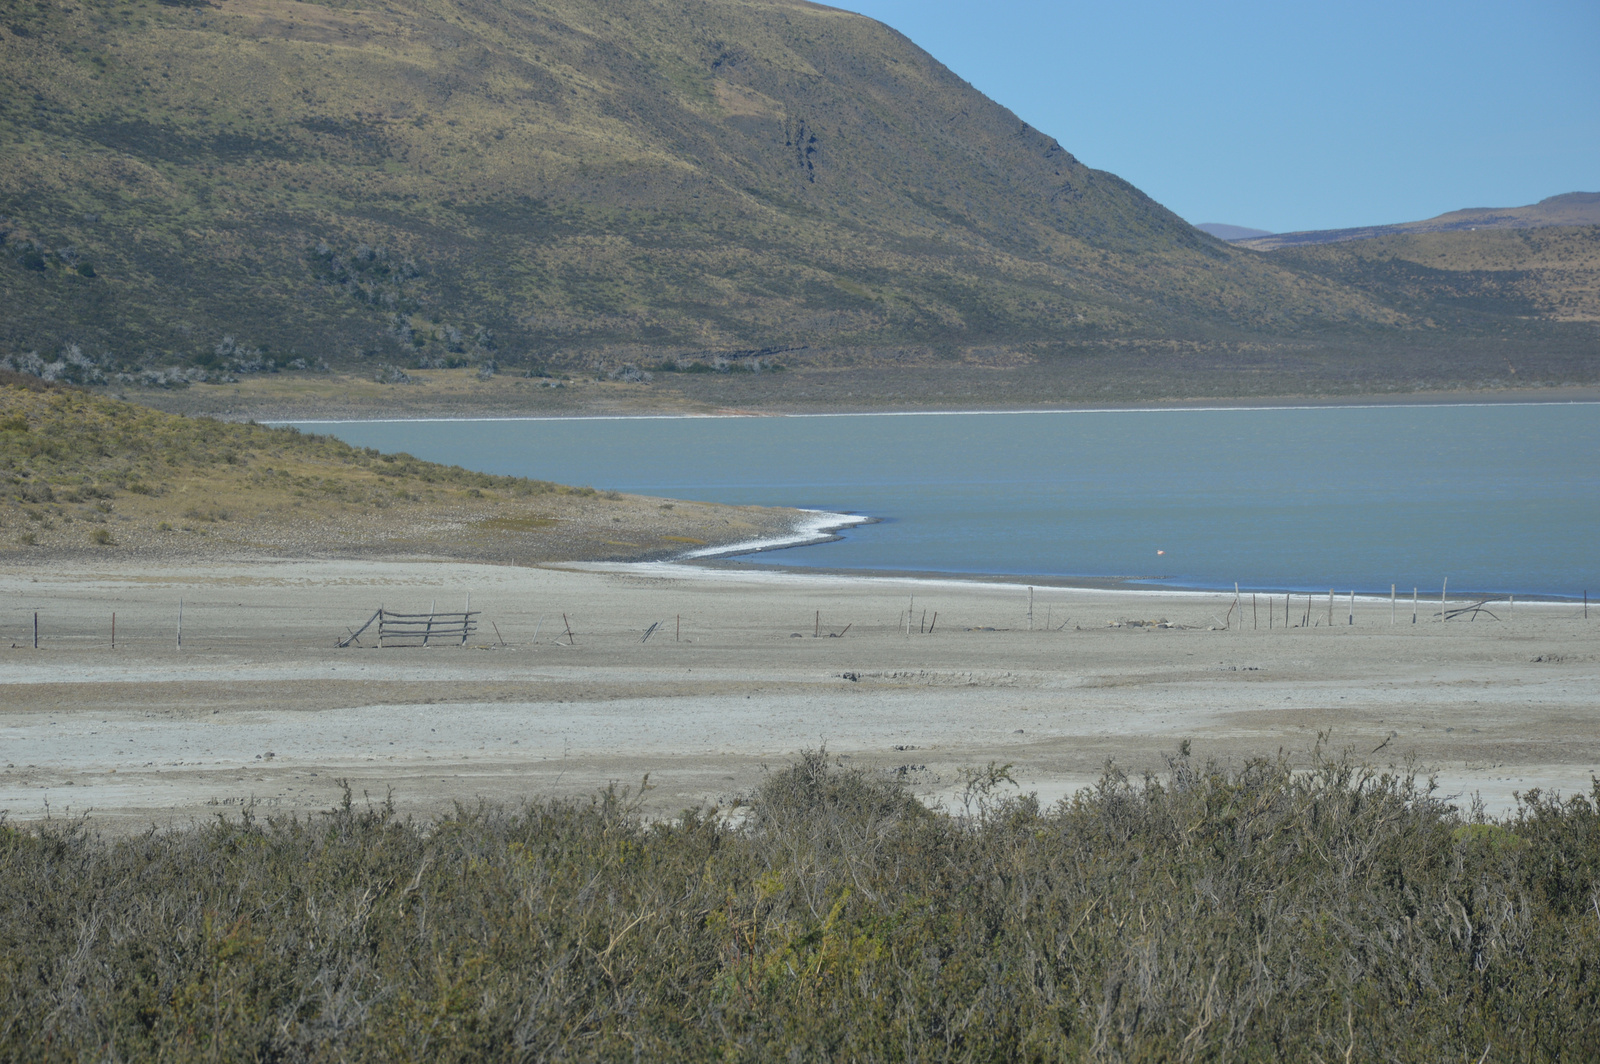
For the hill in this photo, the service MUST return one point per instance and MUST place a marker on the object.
(82, 474)
(199, 190)
(1573, 208)
(1473, 277)
(1231, 233)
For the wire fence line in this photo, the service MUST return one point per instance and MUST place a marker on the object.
(236, 624)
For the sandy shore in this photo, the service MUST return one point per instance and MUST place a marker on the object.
(743, 670)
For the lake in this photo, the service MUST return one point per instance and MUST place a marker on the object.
(1499, 498)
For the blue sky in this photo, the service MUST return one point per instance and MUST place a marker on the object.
(1288, 116)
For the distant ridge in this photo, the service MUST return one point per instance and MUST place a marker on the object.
(1572, 208)
(1231, 232)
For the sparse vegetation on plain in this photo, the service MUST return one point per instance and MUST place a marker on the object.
(1259, 913)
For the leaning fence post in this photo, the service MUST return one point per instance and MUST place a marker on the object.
(1413, 605)
(36, 629)
(1352, 606)
(428, 630)
(1442, 590)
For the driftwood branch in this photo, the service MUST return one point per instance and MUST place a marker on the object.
(1474, 609)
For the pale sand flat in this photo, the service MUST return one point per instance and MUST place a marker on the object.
(146, 732)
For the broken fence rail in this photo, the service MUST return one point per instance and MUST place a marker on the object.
(417, 629)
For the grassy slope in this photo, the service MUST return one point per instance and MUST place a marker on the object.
(79, 472)
(563, 180)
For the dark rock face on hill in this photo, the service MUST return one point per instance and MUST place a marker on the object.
(218, 188)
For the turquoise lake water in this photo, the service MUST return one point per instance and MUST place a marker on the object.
(1498, 498)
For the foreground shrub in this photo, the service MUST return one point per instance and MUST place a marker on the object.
(1257, 914)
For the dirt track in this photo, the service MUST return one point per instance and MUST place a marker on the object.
(259, 704)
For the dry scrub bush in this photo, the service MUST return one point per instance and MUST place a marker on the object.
(1257, 914)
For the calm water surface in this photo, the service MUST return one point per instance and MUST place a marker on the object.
(1499, 498)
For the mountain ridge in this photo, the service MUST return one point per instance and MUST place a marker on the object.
(1231, 233)
(542, 182)
(200, 192)
(1567, 209)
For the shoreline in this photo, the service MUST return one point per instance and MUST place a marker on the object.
(1589, 397)
(726, 567)
(823, 526)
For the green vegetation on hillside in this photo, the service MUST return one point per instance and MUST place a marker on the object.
(194, 191)
(1261, 914)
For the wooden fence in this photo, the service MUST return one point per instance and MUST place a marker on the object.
(417, 629)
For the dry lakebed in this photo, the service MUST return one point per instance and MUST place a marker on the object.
(259, 707)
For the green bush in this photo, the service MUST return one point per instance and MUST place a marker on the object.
(1259, 914)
